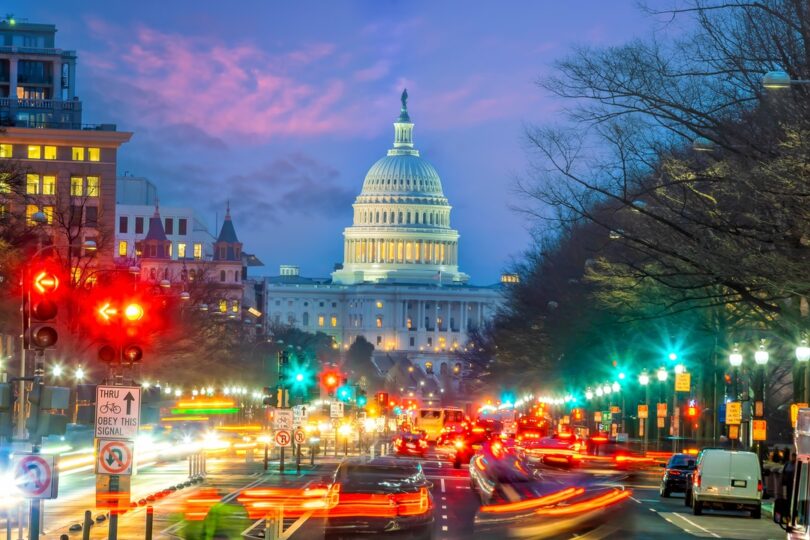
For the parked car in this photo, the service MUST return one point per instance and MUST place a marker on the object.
(726, 479)
(381, 495)
(676, 473)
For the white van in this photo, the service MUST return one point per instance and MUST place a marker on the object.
(726, 479)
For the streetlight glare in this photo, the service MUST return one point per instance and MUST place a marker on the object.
(644, 379)
(57, 371)
(662, 374)
(803, 351)
(735, 358)
(79, 373)
(762, 356)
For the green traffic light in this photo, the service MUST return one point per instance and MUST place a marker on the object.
(361, 401)
(299, 377)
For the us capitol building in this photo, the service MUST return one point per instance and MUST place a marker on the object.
(399, 285)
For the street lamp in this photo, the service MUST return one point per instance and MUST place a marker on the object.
(662, 374)
(588, 394)
(680, 368)
(79, 374)
(615, 386)
(802, 356)
(779, 80)
(57, 370)
(644, 378)
(736, 360)
(761, 357)
(607, 389)
(599, 391)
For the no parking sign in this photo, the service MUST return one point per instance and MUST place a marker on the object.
(36, 475)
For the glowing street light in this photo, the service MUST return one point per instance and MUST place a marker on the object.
(57, 371)
(662, 374)
(761, 357)
(644, 378)
(79, 374)
(615, 386)
(736, 357)
(589, 394)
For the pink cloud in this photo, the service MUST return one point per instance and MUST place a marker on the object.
(375, 72)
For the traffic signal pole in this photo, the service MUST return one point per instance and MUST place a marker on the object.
(21, 391)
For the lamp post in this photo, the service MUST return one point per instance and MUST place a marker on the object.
(644, 380)
(780, 80)
(761, 358)
(662, 376)
(802, 356)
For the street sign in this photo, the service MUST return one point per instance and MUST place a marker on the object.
(615, 409)
(299, 436)
(734, 413)
(643, 412)
(299, 415)
(683, 382)
(336, 409)
(283, 419)
(661, 410)
(734, 432)
(114, 457)
(282, 438)
(759, 430)
(597, 417)
(36, 475)
(794, 412)
(661, 421)
(118, 412)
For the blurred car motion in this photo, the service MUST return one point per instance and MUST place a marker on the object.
(499, 474)
(379, 496)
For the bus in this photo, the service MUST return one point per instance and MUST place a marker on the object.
(793, 513)
(432, 420)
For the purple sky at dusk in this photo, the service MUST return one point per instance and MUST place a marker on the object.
(281, 107)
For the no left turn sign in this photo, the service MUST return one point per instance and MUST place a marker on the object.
(114, 457)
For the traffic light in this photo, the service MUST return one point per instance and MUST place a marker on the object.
(41, 420)
(344, 393)
(362, 400)
(330, 381)
(691, 410)
(122, 323)
(382, 399)
(40, 311)
(6, 411)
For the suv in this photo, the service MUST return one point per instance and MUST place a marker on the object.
(726, 479)
(677, 473)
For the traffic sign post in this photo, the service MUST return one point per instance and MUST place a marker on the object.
(282, 439)
(118, 412)
(114, 457)
(37, 478)
(336, 409)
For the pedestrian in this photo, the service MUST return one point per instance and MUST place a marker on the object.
(788, 471)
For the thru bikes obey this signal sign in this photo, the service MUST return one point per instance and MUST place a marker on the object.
(118, 412)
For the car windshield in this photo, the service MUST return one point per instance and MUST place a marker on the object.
(430, 414)
(681, 461)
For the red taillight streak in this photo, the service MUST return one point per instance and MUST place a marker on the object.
(696, 481)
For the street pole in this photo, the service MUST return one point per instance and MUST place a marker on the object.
(21, 391)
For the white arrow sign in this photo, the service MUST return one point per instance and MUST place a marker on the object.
(118, 412)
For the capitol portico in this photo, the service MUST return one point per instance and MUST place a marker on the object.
(399, 285)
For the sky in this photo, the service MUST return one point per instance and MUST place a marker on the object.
(281, 107)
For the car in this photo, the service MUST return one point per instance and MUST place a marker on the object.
(466, 444)
(380, 495)
(413, 443)
(677, 473)
(726, 479)
(559, 449)
(500, 474)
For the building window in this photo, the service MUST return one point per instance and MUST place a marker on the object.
(412, 341)
(429, 367)
(6, 150)
(333, 321)
(320, 320)
(409, 323)
(122, 248)
(94, 154)
(138, 225)
(92, 186)
(76, 186)
(222, 275)
(379, 304)
(198, 250)
(91, 216)
(430, 342)
(49, 185)
(182, 226)
(50, 152)
(122, 224)
(169, 226)
(235, 306)
(34, 152)
(77, 154)
(334, 304)
(170, 249)
(379, 341)
(379, 321)
(32, 184)
(181, 250)
(223, 306)
(48, 211)
(30, 210)
(305, 319)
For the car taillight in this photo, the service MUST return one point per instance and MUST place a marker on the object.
(759, 485)
(412, 504)
(423, 443)
(333, 496)
(398, 442)
(696, 481)
(459, 444)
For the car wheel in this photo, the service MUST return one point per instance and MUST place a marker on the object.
(664, 492)
(756, 512)
(697, 508)
(687, 498)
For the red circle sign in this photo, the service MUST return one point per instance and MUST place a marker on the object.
(299, 436)
(283, 437)
(114, 457)
(33, 476)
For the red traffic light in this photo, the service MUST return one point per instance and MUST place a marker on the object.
(133, 312)
(331, 380)
(45, 282)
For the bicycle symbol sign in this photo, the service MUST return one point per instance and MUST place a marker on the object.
(118, 412)
(283, 438)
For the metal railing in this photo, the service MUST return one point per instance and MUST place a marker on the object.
(49, 104)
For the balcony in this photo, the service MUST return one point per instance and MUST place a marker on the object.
(53, 105)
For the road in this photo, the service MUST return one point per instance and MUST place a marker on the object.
(644, 515)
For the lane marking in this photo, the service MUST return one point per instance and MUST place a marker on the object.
(689, 521)
(443, 490)
(633, 498)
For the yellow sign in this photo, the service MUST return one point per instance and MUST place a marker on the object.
(615, 410)
(661, 422)
(734, 413)
(642, 412)
(683, 382)
(597, 417)
(661, 410)
(759, 429)
(794, 412)
(734, 432)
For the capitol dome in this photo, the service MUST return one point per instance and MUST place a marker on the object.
(401, 229)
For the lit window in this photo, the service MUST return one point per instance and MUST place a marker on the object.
(49, 185)
(48, 211)
(198, 250)
(92, 186)
(409, 323)
(181, 251)
(76, 186)
(94, 154)
(122, 248)
(34, 152)
(333, 321)
(379, 321)
(223, 306)
(170, 250)
(30, 210)
(235, 306)
(32, 184)
(6, 150)
(77, 154)
(50, 152)
(320, 320)
(379, 304)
